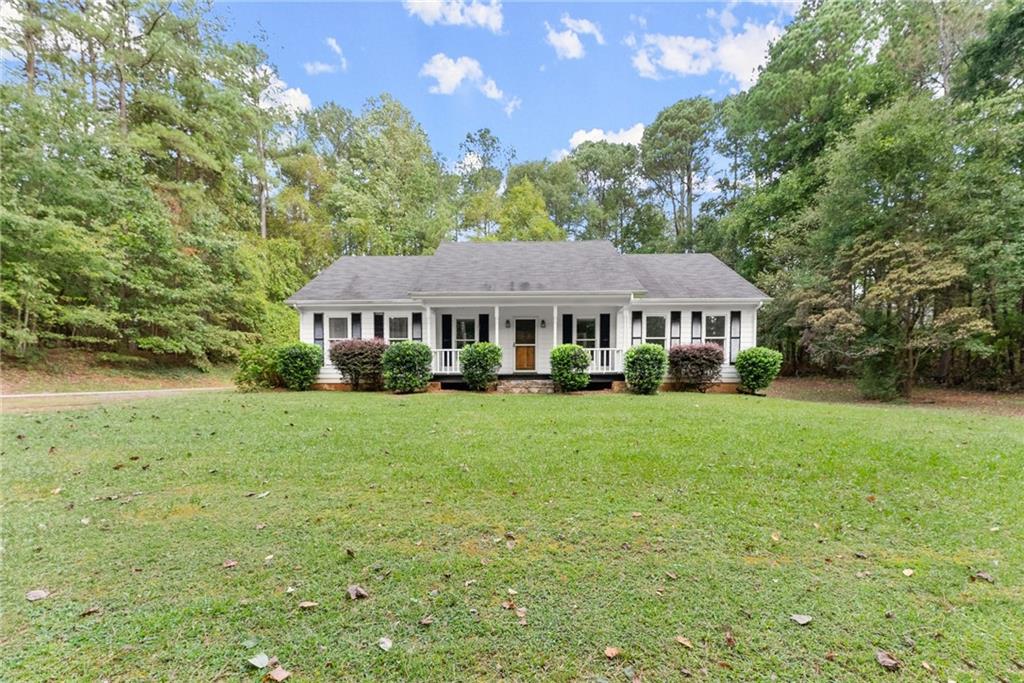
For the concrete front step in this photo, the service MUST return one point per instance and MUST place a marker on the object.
(525, 386)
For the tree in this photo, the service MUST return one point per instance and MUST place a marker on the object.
(559, 183)
(674, 157)
(523, 216)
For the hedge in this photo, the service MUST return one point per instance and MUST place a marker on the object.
(645, 368)
(405, 367)
(298, 364)
(257, 368)
(479, 364)
(757, 367)
(359, 361)
(695, 366)
(569, 364)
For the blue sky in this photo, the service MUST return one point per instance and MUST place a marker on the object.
(542, 76)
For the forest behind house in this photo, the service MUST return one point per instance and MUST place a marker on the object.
(160, 194)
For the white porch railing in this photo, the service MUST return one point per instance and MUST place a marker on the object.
(446, 361)
(605, 361)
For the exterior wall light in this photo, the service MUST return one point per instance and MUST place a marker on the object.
(543, 324)
(508, 324)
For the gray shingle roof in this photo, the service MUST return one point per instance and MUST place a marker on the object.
(689, 276)
(363, 278)
(585, 266)
(527, 267)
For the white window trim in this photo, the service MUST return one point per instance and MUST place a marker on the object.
(387, 327)
(725, 339)
(327, 323)
(664, 316)
(575, 330)
(455, 331)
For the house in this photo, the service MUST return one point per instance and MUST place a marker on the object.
(528, 297)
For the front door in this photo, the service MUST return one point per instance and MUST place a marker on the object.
(526, 344)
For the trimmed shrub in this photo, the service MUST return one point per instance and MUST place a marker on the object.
(479, 364)
(257, 368)
(298, 364)
(569, 363)
(757, 367)
(405, 367)
(645, 368)
(695, 366)
(359, 361)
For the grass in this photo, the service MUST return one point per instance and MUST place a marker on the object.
(757, 506)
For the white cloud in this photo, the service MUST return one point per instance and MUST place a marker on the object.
(336, 49)
(469, 162)
(315, 68)
(567, 43)
(457, 13)
(638, 19)
(631, 136)
(450, 74)
(278, 94)
(512, 105)
(736, 54)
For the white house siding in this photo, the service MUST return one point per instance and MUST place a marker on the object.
(328, 373)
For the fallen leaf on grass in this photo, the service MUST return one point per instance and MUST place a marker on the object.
(229, 564)
(384, 644)
(730, 640)
(928, 667)
(888, 662)
(90, 611)
(260, 661)
(637, 515)
(308, 604)
(357, 592)
(802, 619)
(261, 527)
(427, 620)
(277, 675)
(672, 576)
(983, 576)
(908, 572)
(56, 491)
(38, 594)
(830, 656)
(612, 652)
(685, 642)
(776, 536)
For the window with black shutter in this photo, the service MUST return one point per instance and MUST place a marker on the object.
(357, 325)
(417, 327)
(734, 336)
(378, 325)
(675, 331)
(318, 329)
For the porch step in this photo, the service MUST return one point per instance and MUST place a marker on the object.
(525, 386)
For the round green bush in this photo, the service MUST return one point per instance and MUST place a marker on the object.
(757, 367)
(359, 361)
(298, 364)
(569, 363)
(479, 364)
(646, 365)
(257, 368)
(405, 367)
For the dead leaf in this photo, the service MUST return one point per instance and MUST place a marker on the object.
(38, 594)
(308, 604)
(612, 652)
(637, 515)
(229, 564)
(730, 640)
(672, 576)
(928, 667)
(260, 661)
(56, 491)
(685, 642)
(860, 556)
(686, 673)
(908, 572)
(261, 527)
(521, 612)
(350, 553)
(357, 592)
(427, 620)
(888, 662)
(507, 604)
(90, 611)
(871, 498)
(277, 675)
(264, 495)
(384, 644)
(830, 656)
(802, 619)
(776, 536)
(983, 576)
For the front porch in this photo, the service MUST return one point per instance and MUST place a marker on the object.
(526, 335)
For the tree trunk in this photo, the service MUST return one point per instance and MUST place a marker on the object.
(31, 28)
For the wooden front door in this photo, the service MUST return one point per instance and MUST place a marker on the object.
(526, 344)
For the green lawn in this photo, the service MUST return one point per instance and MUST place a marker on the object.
(584, 505)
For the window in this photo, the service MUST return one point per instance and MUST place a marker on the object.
(676, 328)
(655, 329)
(398, 329)
(318, 329)
(695, 328)
(465, 332)
(637, 326)
(586, 332)
(714, 330)
(338, 328)
(734, 336)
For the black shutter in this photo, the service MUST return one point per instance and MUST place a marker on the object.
(567, 328)
(446, 331)
(318, 329)
(696, 330)
(605, 331)
(357, 325)
(675, 328)
(378, 325)
(638, 327)
(484, 334)
(734, 336)
(417, 327)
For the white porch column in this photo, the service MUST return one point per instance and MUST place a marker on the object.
(428, 327)
(497, 327)
(554, 326)
(620, 328)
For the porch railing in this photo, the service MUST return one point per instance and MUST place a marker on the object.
(605, 361)
(446, 362)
